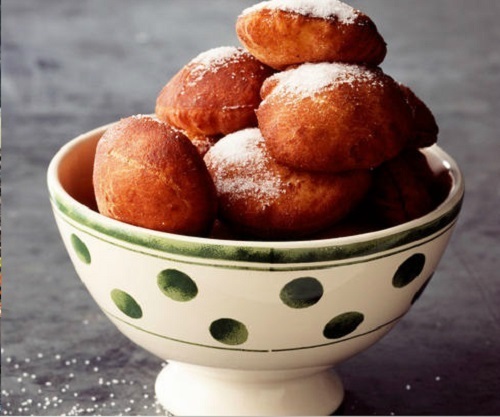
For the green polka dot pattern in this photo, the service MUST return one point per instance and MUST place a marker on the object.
(126, 304)
(229, 331)
(81, 249)
(409, 270)
(177, 285)
(343, 324)
(302, 292)
(299, 293)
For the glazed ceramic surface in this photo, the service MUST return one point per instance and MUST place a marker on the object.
(246, 306)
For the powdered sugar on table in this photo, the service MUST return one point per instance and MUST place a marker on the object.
(325, 9)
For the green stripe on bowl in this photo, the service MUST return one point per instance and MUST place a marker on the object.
(267, 350)
(256, 252)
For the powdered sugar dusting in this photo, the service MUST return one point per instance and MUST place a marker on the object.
(218, 56)
(149, 117)
(244, 150)
(325, 9)
(213, 59)
(309, 79)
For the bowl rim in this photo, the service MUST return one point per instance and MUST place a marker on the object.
(294, 251)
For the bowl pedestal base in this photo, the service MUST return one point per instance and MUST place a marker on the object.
(193, 390)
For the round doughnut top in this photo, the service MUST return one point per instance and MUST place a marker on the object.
(283, 33)
(214, 59)
(216, 93)
(245, 149)
(324, 9)
(332, 117)
(309, 79)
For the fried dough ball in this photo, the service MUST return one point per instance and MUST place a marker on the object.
(425, 128)
(214, 94)
(333, 117)
(148, 174)
(407, 187)
(282, 33)
(259, 197)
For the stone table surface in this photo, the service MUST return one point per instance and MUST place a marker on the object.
(70, 66)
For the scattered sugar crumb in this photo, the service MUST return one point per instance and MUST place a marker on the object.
(62, 395)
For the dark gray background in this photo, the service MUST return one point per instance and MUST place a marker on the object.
(72, 65)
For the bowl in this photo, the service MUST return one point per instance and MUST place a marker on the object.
(247, 327)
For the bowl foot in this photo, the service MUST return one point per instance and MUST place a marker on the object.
(200, 391)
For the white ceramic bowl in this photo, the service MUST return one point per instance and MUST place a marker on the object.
(248, 328)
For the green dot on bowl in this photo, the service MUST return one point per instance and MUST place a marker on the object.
(343, 324)
(81, 249)
(409, 270)
(126, 303)
(229, 331)
(301, 292)
(177, 285)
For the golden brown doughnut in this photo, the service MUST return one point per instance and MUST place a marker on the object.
(333, 117)
(259, 197)
(281, 33)
(150, 175)
(216, 93)
(425, 128)
(406, 188)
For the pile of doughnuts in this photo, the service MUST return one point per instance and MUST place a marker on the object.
(297, 134)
